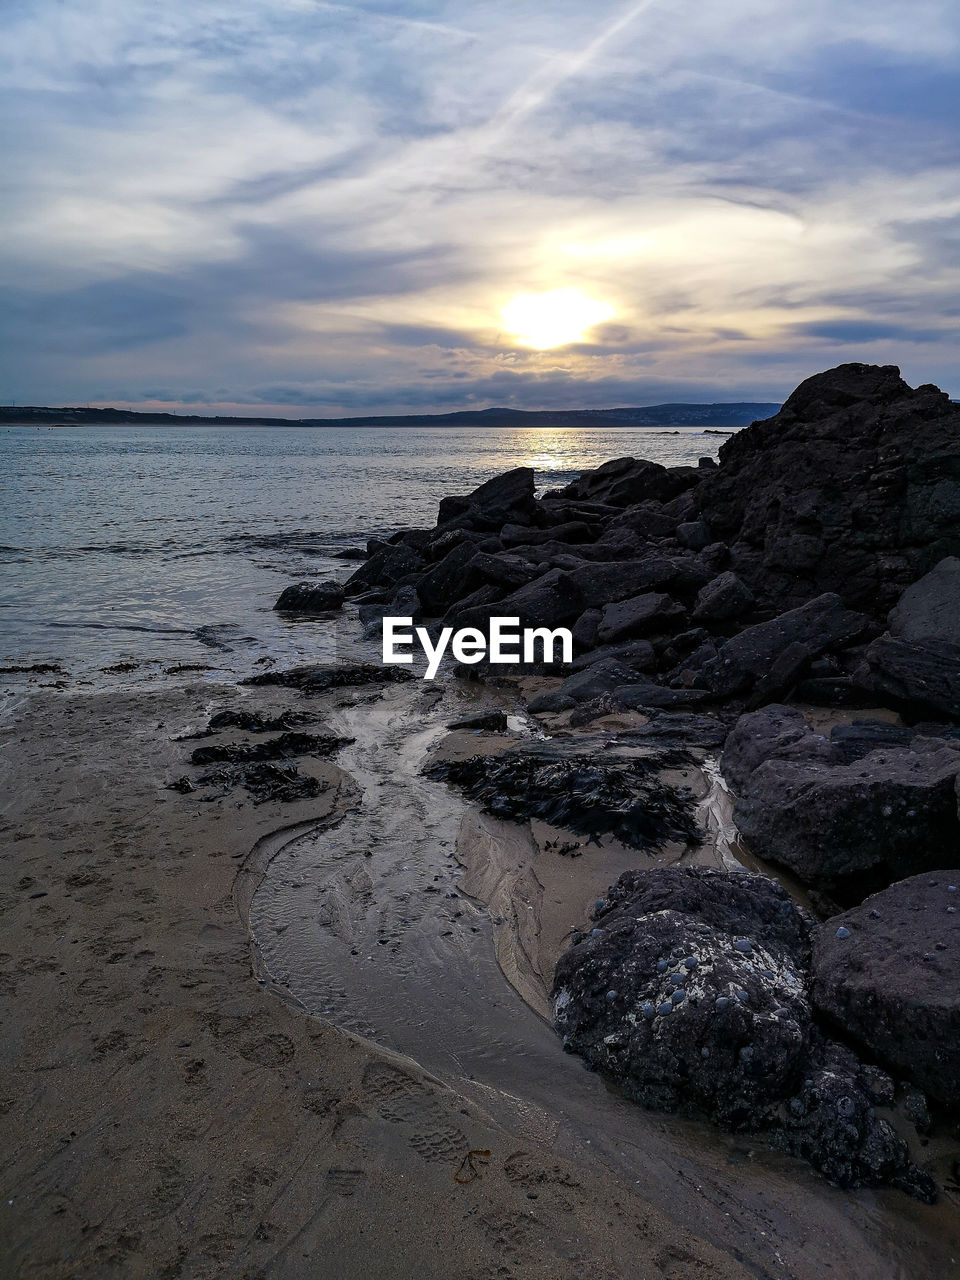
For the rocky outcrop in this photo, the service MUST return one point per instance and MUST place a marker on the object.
(691, 994)
(310, 597)
(886, 972)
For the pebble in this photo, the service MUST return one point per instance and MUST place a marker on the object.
(744, 946)
(847, 1108)
(843, 933)
(690, 962)
(678, 997)
(611, 995)
(663, 966)
(647, 1009)
(722, 1002)
(742, 995)
(677, 979)
(665, 1008)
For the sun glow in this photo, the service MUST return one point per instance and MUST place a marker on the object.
(553, 319)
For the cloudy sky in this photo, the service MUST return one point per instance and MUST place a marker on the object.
(404, 205)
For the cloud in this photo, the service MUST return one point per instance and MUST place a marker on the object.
(335, 200)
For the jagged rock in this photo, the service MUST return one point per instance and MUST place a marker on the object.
(636, 654)
(584, 630)
(507, 498)
(448, 579)
(625, 481)
(310, 597)
(384, 569)
(641, 614)
(493, 721)
(929, 609)
(694, 534)
(583, 686)
(886, 972)
(507, 571)
(820, 624)
(774, 732)
(690, 993)
(573, 532)
(722, 598)
(853, 487)
(548, 601)
(404, 603)
(603, 584)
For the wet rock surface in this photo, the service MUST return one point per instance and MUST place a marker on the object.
(319, 677)
(310, 597)
(691, 994)
(888, 973)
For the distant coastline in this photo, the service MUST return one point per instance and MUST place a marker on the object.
(733, 414)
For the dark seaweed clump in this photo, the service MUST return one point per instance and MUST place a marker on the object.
(318, 678)
(625, 799)
(285, 747)
(263, 779)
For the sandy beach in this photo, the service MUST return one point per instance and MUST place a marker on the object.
(166, 1114)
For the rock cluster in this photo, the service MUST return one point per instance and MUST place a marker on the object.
(692, 993)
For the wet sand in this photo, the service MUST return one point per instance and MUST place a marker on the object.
(177, 1102)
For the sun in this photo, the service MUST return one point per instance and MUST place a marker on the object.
(553, 319)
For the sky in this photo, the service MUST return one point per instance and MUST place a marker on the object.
(406, 206)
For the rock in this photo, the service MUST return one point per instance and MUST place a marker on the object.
(575, 531)
(509, 572)
(922, 679)
(774, 732)
(507, 498)
(404, 603)
(820, 624)
(641, 614)
(625, 481)
(760, 1063)
(603, 584)
(548, 601)
(586, 684)
(494, 721)
(783, 675)
(724, 597)
(917, 665)
(853, 487)
(846, 828)
(892, 984)
(384, 569)
(449, 579)
(584, 630)
(310, 597)
(637, 654)
(641, 694)
(929, 609)
(694, 534)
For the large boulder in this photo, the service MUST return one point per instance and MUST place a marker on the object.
(640, 615)
(853, 487)
(690, 993)
(622, 482)
(384, 568)
(845, 828)
(886, 972)
(724, 597)
(507, 498)
(917, 663)
(821, 624)
(551, 600)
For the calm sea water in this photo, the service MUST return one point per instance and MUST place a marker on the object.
(169, 546)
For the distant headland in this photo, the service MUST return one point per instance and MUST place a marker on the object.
(734, 414)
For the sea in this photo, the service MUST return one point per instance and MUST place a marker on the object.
(128, 553)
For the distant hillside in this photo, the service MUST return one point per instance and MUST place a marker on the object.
(735, 414)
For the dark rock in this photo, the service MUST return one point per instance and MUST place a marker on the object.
(722, 598)
(590, 682)
(594, 797)
(548, 601)
(853, 487)
(310, 597)
(694, 534)
(891, 984)
(584, 630)
(639, 615)
(834, 691)
(849, 828)
(635, 654)
(820, 624)
(603, 584)
(449, 579)
(625, 481)
(404, 603)
(507, 498)
(494, 721)
(384, 569)
(740, 1045)
(918, 664)
(648, 519)
(784, 673)
(575, 531)
(641, 694)
(509, 572)
(774, 732)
